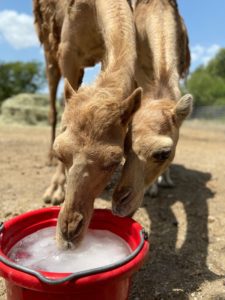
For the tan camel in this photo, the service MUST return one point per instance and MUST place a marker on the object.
(163, 58)
(95, 119)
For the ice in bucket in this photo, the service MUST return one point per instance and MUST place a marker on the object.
(38, 251)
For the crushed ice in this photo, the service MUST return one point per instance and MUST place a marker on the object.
(38, 251)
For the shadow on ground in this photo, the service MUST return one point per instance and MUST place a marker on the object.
(172, 273)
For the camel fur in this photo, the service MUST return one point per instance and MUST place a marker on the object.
(95, 120)
(163, 59)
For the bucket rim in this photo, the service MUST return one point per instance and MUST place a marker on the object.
(52, 278)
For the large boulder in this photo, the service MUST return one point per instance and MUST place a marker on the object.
(29, 109)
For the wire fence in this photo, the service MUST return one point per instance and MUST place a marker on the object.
(209, 112)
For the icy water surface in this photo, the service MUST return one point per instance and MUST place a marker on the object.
(38, 251)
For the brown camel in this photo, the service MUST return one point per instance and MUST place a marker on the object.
(163, 58)
(95, 119)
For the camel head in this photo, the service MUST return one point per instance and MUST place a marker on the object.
(151, 146)
(91, 146)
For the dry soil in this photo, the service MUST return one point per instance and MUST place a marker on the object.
(186, 224)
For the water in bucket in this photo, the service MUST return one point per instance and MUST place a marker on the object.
(98, 248)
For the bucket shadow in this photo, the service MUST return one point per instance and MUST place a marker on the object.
(172, 273)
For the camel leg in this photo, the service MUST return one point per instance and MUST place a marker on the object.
(165, 180)
(53, 76)
(55, 193)
(152, 191)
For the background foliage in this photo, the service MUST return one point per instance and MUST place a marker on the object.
(20, 77)
(207, 82)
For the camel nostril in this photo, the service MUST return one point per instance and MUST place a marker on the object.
(71, 226)
(121, 205)
(74, 231)
(124, 197)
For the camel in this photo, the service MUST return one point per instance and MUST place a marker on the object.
(95, 120)
(163, 58)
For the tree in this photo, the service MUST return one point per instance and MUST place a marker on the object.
(216, 66)
(20, 77)
(207, 83)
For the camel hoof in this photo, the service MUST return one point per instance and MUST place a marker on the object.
(165, 182)
(153, 191)
(47, 199)
(58, 196)
(55, 193)
(56, 201)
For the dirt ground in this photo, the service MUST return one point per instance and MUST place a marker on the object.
(186, 224)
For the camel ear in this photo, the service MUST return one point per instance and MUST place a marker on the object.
(183, 108)
(68, 90)
(130, 105)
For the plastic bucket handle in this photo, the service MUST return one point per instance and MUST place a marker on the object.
(44, 279)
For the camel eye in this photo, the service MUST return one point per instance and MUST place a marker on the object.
(110, 166)
(63, 128)
(162, 155)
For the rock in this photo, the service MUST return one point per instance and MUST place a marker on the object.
(7, 214)
(211, 219)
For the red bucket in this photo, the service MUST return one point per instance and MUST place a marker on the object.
(111, 282)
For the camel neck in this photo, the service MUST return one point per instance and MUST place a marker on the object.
(116, 21)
